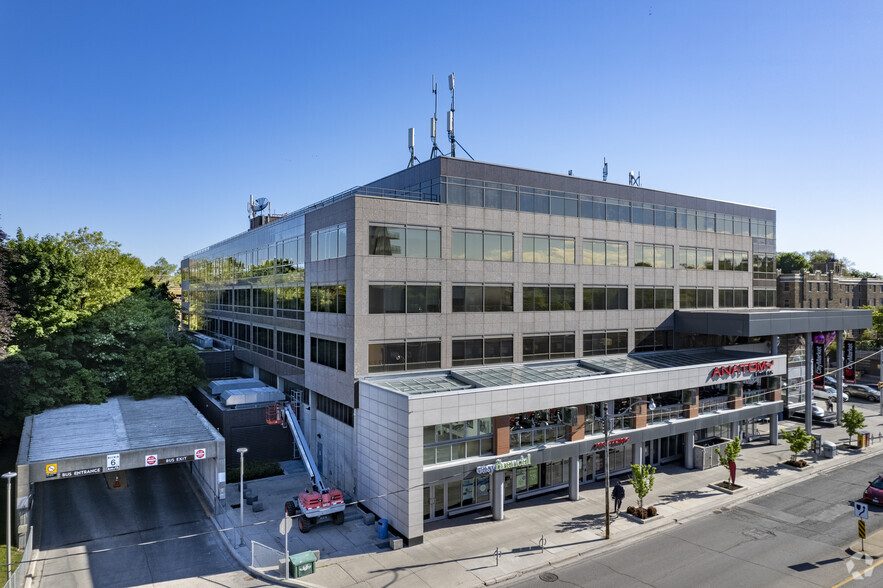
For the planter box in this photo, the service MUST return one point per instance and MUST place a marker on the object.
(791, 467)
(738, 488)
(639, 520)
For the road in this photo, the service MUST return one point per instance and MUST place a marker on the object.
(151, 531)
(793, 537)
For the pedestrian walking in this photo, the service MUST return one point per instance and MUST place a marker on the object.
(618, 494)
(829, 404)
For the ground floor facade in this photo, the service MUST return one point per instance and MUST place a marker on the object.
(439, 444)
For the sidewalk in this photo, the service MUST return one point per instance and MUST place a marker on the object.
(535, 533)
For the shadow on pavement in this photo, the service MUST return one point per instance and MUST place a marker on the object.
(681, 495)
(584, 522)
(763, 472)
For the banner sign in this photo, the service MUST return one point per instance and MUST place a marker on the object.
(818, 365)
(849, 361)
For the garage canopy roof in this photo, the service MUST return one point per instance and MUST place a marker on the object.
(120, 424)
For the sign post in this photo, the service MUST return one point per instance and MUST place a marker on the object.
(861, 532)
(861, 511)
(284, 528)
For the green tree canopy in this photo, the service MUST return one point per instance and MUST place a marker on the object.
(164, 271)
(790, 262)
(89, 324)
(7, 307)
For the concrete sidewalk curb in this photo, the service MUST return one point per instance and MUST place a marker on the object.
(728, 501)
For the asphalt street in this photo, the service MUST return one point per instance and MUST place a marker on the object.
(793, 537)
(149, 531)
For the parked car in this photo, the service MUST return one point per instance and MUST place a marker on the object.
(828, 392)
(819, 416)
(831, 381)
(862, 391)
(874, 491)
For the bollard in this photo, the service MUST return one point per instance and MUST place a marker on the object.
(543, 543)
(497, 554)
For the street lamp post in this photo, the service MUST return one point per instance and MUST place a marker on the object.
(608, 424)
(241, 451)
(8, 476)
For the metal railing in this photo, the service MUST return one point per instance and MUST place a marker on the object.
(754, 398)
(665, 413)
(17, 579)
(713, 404)
(263, 557)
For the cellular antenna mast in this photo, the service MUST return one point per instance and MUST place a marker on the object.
(451, 117)
(434, 122)
(605, 169)
(451, 123)
(411, 147)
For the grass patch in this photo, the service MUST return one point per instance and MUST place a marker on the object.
(16, 557)
(255, 470)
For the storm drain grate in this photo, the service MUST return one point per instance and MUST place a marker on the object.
(548, 577)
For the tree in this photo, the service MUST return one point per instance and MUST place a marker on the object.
(819, 256)
(790, 262)
(798, 441)
(853, 422)
(163, 271)
(45, 283)
(7, 306)
(728, 457)
(643, 477)
(107, 274)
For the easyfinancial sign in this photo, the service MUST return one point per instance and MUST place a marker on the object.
(503, 465)
(750, 368)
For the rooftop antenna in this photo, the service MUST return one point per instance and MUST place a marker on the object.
(411, 147)
(451, 117)
(433, 123)
(451, 122)
(605, 169)
(634, 180)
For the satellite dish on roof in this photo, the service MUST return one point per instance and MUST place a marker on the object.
(260, 204)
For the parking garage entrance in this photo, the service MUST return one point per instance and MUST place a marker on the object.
(109, 439)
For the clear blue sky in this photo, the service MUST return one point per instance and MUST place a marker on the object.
(154, 121)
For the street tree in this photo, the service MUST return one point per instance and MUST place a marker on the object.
(728, 457)
(643, 478)
(853, 422)
(798, 441)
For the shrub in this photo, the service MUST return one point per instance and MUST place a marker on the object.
(255, 470)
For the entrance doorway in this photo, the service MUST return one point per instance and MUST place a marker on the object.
(433, 502)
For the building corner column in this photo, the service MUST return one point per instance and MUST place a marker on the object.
(573, 485)
(774, 429)
(688, 450)
(498, 480)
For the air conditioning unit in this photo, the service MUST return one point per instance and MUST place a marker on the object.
(203, 341)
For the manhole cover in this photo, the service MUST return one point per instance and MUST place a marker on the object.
(548, 577)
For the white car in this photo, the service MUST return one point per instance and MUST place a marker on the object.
(828, 392)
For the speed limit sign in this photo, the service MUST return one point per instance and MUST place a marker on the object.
(113, 461)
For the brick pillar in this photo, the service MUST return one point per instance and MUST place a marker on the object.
(641, 414)
(693, 408)
(776, 394)
(734, 402)
(501, 435)
(578, 432)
